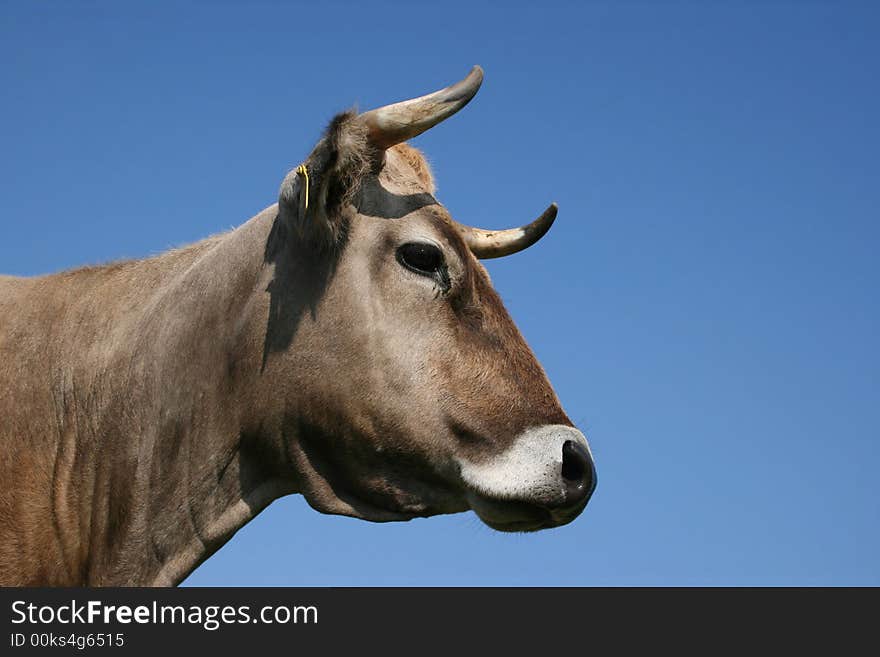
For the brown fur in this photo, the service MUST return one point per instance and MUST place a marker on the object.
(419, 165)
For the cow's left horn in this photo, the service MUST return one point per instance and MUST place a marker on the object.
(497, 243)
(396, 123)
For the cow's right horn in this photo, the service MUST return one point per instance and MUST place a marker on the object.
(499, 243)
(401, 121)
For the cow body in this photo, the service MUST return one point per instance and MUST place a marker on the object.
(344, 344)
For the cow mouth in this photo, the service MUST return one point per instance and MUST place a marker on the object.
(517, 516)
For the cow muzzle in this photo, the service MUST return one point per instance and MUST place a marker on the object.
(543, 479)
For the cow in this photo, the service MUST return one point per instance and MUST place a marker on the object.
(344, 344)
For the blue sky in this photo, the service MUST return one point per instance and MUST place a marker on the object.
(705, 306)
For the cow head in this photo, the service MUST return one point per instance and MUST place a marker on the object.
(407, 389)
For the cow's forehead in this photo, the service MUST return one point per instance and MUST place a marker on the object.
(406, 171)
(403, 191)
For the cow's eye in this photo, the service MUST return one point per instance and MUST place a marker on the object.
(421, 257)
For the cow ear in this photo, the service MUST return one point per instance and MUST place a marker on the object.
(313, 197)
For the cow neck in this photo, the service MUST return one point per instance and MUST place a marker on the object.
(201, 460)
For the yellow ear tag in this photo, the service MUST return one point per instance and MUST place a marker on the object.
(304, 172)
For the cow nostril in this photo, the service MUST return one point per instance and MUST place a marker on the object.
(573, 466)
(577, 472)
